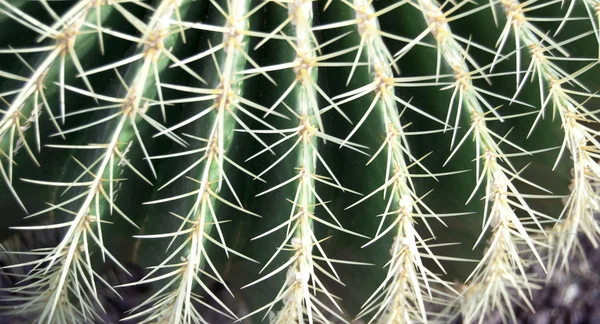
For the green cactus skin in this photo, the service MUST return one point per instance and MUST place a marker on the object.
(390, 161)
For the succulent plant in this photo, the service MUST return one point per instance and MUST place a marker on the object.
(320, 161)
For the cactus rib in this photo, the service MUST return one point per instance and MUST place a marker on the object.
(173, 303)
(64, 32)
(62, 268)
(400, 297)
(579, 138)
(502, 268)
(301, 268)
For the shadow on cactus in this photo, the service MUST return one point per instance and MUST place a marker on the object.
(182, 161)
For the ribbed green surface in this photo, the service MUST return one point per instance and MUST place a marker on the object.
(415, 101)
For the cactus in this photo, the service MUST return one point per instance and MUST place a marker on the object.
(320, 161)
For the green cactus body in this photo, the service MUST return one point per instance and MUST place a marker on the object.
(320, 161)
